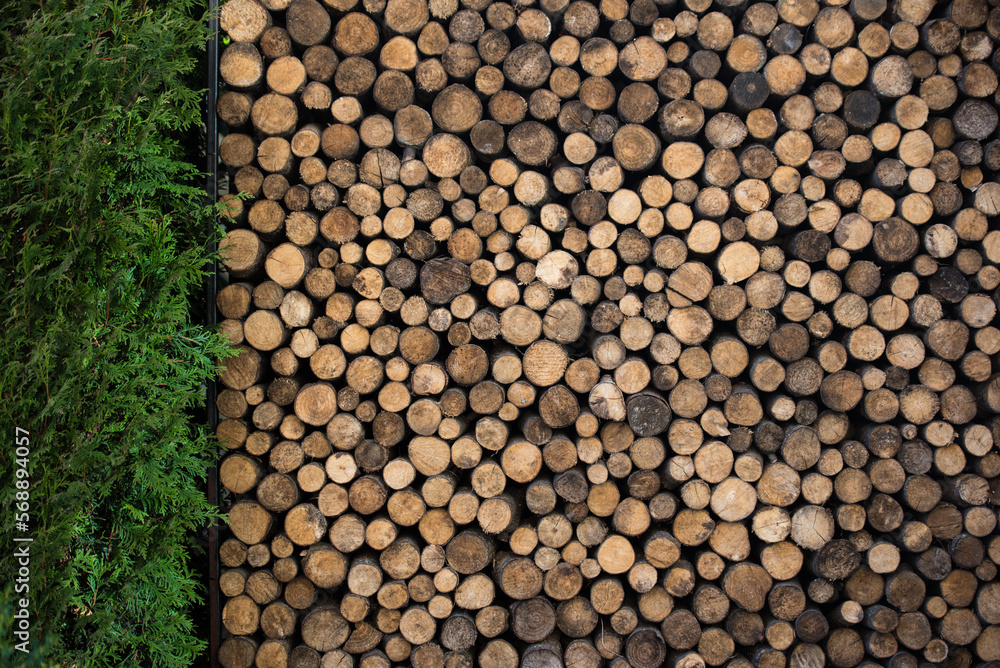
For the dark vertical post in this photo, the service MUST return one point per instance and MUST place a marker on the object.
(212, 188)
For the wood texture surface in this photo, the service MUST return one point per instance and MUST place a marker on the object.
(611, 333)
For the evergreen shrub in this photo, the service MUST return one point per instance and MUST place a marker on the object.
(104, 234)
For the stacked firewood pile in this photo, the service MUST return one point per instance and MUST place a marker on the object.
(596, 333)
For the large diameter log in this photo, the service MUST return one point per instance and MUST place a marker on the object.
(242, 252)
(316, 404)
(250, 522)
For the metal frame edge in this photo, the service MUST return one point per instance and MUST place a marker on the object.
(211, 285)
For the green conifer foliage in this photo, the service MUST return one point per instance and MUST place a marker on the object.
(103, 238)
